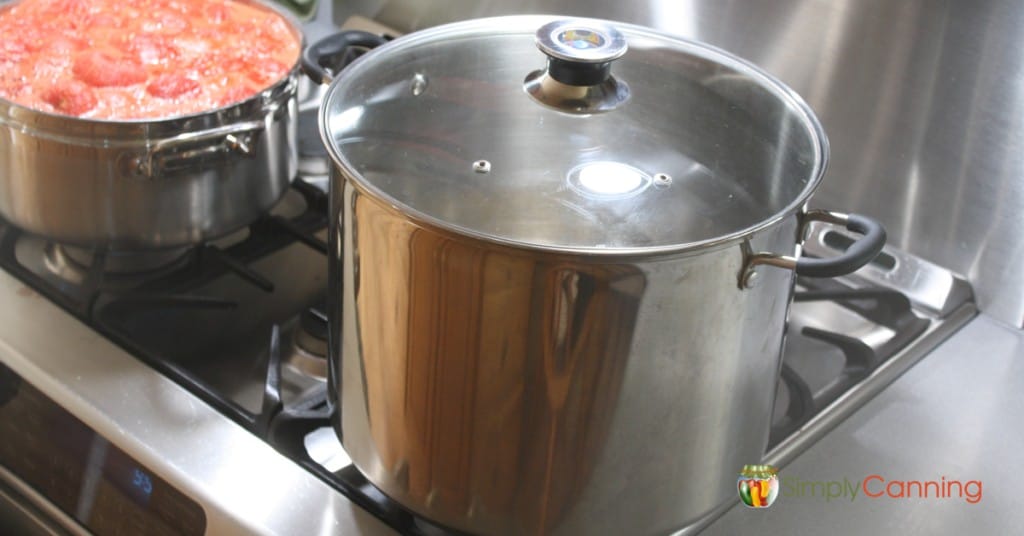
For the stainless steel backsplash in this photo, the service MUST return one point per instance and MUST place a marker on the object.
(923, 101)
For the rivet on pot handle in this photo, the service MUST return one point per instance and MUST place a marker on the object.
(860, 253)
(324, 59)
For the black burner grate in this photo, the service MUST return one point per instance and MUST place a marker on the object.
(880, 306)
(175, 292)
(165, 321)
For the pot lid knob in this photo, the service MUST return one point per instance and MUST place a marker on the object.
(580, 51)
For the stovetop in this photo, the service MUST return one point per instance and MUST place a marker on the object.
(240, 324)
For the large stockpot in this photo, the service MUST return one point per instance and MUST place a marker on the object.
(149, 184)
(560, 294)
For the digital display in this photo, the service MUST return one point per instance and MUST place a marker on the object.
(142, 483)
(79, 471)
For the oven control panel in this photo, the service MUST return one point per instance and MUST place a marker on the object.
(83, 474)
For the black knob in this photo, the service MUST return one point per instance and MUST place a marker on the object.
(580, 51)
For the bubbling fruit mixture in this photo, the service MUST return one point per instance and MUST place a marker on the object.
(141, 59)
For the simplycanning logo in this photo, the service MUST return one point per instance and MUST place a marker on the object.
(759, 485)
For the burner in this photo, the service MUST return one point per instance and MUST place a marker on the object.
(307, 350)
(292, 205)
(119, 268)
(863, 327)
(850, 337)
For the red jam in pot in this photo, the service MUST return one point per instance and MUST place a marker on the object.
(144, 59)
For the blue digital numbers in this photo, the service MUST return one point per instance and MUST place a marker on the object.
(142, 481)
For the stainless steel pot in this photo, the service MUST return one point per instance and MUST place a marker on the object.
(560, 292)
(127, 185)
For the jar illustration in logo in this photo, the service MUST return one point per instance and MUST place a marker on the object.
(758, 485)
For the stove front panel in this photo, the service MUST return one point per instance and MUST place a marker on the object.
(99, 485)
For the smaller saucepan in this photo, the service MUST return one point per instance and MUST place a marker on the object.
(150, 184)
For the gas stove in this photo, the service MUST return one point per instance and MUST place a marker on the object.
(239, 323)
(222, 349)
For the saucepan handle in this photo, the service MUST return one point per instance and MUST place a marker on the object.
(191, 149)
(860, 253)
(325, 58)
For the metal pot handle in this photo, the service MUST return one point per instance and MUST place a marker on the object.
(187, 149)
(325, 58)
(861, 252)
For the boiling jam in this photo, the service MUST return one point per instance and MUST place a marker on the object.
(144, 59)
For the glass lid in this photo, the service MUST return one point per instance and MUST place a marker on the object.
(573, 134)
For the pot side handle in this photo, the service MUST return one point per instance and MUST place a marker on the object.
(188, 150)
(325, 58)
(860, 253)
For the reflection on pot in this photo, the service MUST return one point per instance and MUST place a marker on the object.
(485, 372)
